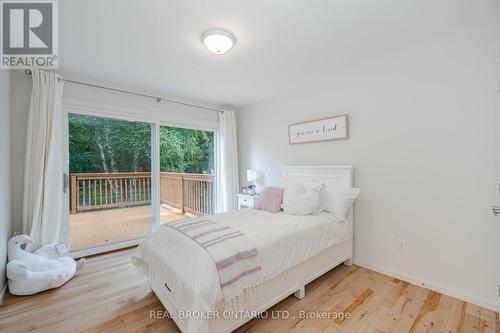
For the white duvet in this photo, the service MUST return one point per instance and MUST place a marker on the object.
(282, 240)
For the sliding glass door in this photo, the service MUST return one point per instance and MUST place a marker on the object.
(110, 184)
(186, 173)
(125, 177)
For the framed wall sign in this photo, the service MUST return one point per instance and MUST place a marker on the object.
(332, 128)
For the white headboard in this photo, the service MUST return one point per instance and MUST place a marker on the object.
(332, 175)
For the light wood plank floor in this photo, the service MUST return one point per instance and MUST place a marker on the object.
(109, 296)
(97, 228)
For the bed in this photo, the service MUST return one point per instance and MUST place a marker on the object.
(293, 251)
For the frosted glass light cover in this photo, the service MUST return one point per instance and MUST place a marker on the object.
(218, 41)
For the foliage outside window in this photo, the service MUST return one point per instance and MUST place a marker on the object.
(107, 145)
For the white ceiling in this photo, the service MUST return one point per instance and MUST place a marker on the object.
(281, 44)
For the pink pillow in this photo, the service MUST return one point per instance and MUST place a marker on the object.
(270, 199)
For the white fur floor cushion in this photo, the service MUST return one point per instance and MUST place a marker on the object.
(31, 273)
(302, 198)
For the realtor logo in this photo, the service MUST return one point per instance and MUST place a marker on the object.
(29, 34)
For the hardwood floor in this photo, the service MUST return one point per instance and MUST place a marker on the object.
(108, 295)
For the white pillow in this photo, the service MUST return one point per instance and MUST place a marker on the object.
(302, 198)
(338, 201)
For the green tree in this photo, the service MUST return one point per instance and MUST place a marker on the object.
(108, 145)
(186, 150)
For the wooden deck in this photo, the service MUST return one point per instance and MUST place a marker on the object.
(97, 228)
(109, 296)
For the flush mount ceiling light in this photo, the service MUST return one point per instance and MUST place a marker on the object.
(218, 41)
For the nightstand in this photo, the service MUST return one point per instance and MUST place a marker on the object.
(245, 200)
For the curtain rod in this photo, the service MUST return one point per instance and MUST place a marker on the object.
(157, 98)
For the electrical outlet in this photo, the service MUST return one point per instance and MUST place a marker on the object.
(402, 246)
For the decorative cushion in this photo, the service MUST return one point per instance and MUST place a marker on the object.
(270, 199)
(302, 198)
(338, 201)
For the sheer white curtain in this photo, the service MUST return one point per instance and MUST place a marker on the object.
(227, 163)
(43, 177)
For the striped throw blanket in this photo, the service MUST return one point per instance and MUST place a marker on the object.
(235, 257)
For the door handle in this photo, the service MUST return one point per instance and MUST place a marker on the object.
(496, 210)
(65, 182)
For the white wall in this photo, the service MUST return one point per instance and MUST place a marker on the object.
(171, 112)
(424, 141)
(5, 172)
(112, 102)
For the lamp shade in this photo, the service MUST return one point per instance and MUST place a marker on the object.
(251, 175)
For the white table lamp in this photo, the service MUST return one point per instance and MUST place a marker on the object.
(251, 176)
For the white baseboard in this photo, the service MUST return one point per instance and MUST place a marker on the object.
(3, 293)
(494, 306)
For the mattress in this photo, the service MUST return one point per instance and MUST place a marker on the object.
(282, 240)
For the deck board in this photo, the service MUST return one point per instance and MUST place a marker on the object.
(97, 228)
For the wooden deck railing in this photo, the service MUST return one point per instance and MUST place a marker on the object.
(90, 191)
(188, 192)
